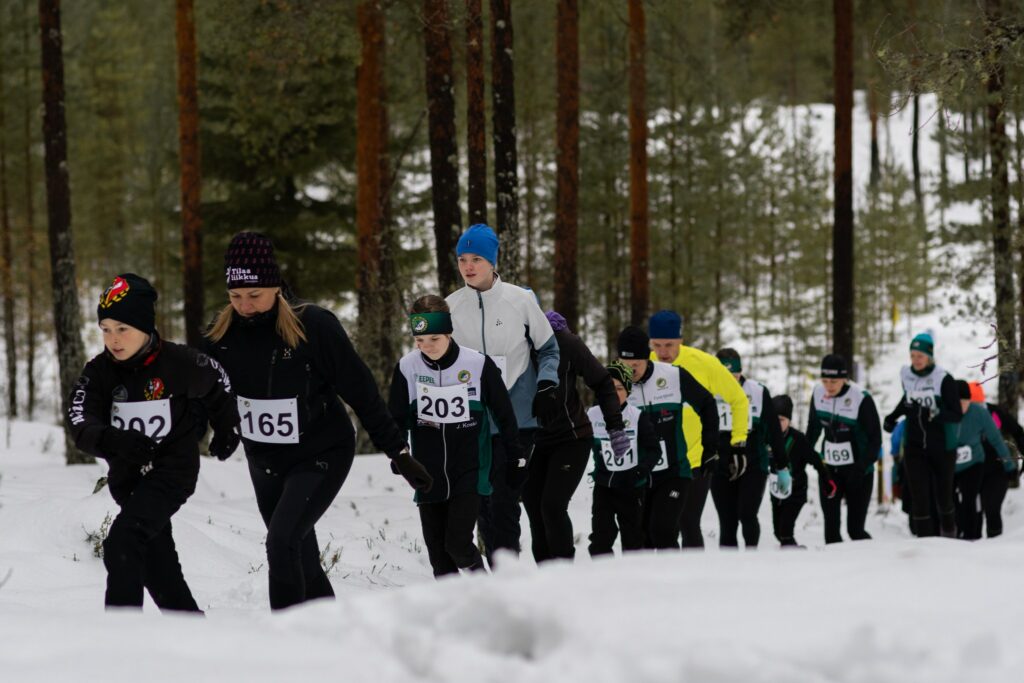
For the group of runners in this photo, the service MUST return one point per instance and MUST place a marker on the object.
(484, 418)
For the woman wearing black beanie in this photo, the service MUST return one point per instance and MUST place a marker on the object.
(290, 364)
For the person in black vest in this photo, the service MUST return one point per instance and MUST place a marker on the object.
(786, 508)
(562, 445)
(289, 363)
(133, 406)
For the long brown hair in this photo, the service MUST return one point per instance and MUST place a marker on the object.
(289, 325)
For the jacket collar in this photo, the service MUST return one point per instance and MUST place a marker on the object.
(492, 294)
(143, 357)
(445, 361)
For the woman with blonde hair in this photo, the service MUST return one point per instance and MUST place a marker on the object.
(289, 364)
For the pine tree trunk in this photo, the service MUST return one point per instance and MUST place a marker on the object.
(1019, 147)
(506, 165)
(30, 222)
(188, 150)
(842, 236)
(476, 128)
(1001, 232)
(444, 153)
(6, 280)
(567, 133)
(638, 242)
(876, 171)
(67, 318)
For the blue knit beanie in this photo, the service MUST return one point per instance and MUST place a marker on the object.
(665, 325)
(479, 239)
(923, 343)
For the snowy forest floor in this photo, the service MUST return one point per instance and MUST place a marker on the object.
(891, 609)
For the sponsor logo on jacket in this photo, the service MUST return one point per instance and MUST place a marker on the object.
(154, 389)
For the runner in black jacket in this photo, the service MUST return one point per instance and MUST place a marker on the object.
(289, 364)
(563, 444)
(133, 406)
(786, 508)
(444, 396)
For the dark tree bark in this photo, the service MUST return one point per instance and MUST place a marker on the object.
(567, 134)
(639, 266)
(444, 153)
(476, 128)
(876, 171)
(66, 313)
(5, 263)
(1001, 232)
(503, 114)
(30, 221)
(842, 235)
(188, 150)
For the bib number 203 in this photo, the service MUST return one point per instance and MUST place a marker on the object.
(446, 405)
(269, 421)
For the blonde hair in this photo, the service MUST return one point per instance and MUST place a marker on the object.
(289, 326)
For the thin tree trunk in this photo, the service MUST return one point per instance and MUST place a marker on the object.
(842, 236)
(531, 172)
(444, 153)
(567, 134)
(30, 222)
(6, 261)
(506, 165)
(1019, 147)
(1001, 233)
(639, 266)
(66, 315)
(188, 150)
(876, 171)
(476, 128)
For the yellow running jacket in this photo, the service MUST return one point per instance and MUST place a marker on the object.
(717, 379)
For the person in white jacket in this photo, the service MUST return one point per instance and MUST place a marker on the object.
(506, 323)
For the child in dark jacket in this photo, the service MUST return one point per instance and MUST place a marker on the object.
(619, 481)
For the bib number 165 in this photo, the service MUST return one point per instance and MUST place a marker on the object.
(269, 421)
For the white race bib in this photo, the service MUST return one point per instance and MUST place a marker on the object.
(269, 420)
(924, 398)
(152, 418)
(724, 415)
(446, 405)
(614, 464)
(964, 454)
(775, 489)
(662, 463)
(839, 453)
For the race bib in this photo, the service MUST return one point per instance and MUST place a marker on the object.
(839, 453)
(269, 420)
(964, 454)
(775, 489)
(502, 363)
(613, 463)
(924, 398)
(445, 405)
(724, 416)
(662, 463)
(152, 418)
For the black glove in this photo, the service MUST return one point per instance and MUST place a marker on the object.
(889, 424)
(413, 471)
(735, 464)
(517, 468)
(224, 443)
(545, 402)
(708, 463)
(129, 444)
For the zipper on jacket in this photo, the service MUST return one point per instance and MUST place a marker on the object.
(483, 335)
(270, 376)
(444, 444)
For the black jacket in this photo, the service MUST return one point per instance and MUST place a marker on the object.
(800, 453)
(322, 368)
(934, 434)
(163, 370)
(457, 455)
(650, 452)
(576, 361)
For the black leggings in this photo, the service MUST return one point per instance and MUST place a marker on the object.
(784, 516)
(139, 550)
(448, 534)
(967, 490)
(291, 502)
(855, 485)
(923, 468)
(615, 511)
(738, 502)
(555, 473)
(500, 512)
(663, 506)
(994, 482)
(693, 510)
